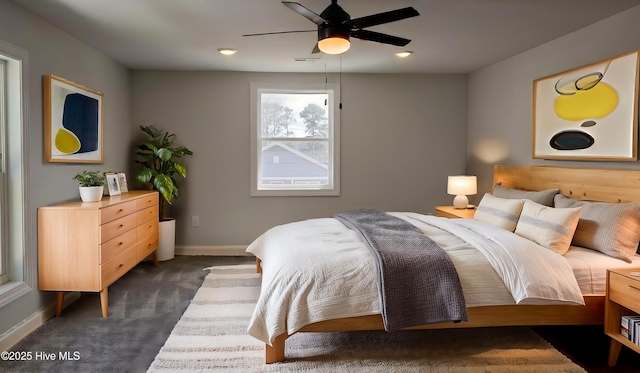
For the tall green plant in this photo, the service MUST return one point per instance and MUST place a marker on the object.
(160, 163)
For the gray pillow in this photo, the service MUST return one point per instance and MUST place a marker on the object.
(611, 228)
(543, 197)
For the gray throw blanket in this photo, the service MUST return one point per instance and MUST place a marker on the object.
(418, 282)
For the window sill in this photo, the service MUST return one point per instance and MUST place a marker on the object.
(12, 291)
(296, 193)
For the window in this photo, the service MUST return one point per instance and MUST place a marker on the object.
(16, 275)
(294, 140)
(4, 253)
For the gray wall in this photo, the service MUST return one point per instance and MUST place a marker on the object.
(501, 96)
(401, 136)
(51, 51)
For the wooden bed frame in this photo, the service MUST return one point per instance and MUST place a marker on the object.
(584, 184)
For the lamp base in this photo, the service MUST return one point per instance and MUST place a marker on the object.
(461, 201)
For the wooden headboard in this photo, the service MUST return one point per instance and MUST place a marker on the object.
(579, 183)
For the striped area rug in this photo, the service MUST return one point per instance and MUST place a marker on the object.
(211, 337)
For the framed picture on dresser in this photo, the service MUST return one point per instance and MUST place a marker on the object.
(113, 184)
(122, 180)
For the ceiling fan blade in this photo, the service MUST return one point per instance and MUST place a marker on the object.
(305, 12)
(380, 18)
(279, 32)
(380, 38)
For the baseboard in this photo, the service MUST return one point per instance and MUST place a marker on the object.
(33, 322)
(230, 250)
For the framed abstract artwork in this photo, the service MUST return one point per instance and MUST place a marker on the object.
(588, 113)
(73, 124)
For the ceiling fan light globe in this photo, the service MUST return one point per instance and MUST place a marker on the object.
(335, 45)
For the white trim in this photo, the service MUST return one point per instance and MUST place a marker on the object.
(212, 250)
(33, 322)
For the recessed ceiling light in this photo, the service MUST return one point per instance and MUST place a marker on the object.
(227, 51)
(404, 54)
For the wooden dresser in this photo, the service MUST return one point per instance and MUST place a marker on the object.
(88, 246)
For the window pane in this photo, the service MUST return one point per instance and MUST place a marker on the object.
(4, 252)
(298, 163)
(294, 115)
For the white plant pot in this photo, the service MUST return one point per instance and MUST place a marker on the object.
(91, 194)
(167, 246)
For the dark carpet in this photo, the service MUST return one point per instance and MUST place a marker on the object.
(144, 306)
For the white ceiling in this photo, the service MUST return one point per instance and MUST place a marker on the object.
(449, 36)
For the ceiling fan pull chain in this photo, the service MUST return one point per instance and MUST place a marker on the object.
(340, 82)
(326, 78)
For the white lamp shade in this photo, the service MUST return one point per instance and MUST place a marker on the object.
(462, 185)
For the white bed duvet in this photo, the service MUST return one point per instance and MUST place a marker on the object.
(318, 269)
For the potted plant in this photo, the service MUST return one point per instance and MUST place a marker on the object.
(160, 164)
(91, 185)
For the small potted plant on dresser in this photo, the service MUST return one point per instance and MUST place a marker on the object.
(91, 185)
(160, 163)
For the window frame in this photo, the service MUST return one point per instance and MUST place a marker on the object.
(4, 252)
(333, 139)
(16, 240)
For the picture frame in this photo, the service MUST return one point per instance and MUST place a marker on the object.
(113, 184)
(73, 122)
(122, 181)
(588, 113)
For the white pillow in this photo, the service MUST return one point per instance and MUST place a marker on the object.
(550, 227)
(500, 212)
(611, 228)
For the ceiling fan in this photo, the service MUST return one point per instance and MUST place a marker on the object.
(335, 27)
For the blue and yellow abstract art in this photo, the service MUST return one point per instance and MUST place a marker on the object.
(73, 122)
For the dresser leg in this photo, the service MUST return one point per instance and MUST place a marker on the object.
(104, 302)
(155, 258)
(59, 303)
(614, 352)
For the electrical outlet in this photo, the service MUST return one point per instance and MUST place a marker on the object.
(195, 221)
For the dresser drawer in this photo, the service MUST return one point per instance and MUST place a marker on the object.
(146, 246)
(114, 212)
(117, 266)
(624, 291)
(147, 214)
(117, 227)
(145, 202)
(149, 227)
(115, 246)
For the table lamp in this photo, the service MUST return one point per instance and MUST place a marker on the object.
(461, 186)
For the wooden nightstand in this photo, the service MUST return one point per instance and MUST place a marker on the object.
(623, 298)
(453, 213)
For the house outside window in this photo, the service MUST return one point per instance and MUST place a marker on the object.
(295, 140)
